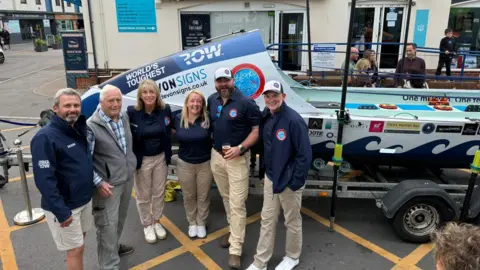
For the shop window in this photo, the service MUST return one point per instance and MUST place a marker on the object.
(38, 2)
(57, 3)
(69, 4)
(465, 23)
(226, 22)
(23, 1)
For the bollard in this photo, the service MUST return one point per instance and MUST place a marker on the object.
(28, 216)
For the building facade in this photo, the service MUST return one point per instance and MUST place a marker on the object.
(180, 24)
(29, 19)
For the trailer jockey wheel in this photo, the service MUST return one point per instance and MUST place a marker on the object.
(419, 217)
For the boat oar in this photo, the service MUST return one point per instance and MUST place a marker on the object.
(475, 166)
(337, 157)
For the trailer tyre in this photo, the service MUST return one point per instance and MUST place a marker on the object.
(3, 181)
(419, 217)
(2, 58)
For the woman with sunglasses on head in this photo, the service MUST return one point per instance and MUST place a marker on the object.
(192, 130)
(150, 125)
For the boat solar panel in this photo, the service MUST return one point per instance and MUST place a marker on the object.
(359, 106)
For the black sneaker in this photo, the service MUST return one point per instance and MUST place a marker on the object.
(124, 250)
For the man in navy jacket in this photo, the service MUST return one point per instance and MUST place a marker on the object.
(287, 157)
(63, 171)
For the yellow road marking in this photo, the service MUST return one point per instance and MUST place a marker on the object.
(380, 251)
(212, 236)
(14, 129)
(189, 244)
(161, 259)
(16, 227)
(414, 257)
(18, 178)
(7, 254)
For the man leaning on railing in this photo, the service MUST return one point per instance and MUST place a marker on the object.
(408, 65)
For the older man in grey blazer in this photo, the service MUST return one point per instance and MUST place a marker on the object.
(110, 142)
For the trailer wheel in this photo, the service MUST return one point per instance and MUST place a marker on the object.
(418, 218)
(3, 181)
(2, 58)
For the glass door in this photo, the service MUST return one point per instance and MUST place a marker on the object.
(291, 31)
(392, 18)
(364, 30)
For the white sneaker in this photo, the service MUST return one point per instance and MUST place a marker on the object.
(287, 264)
(160, 231)
(253, 267)
(201, 232)
(150, 236)
(192, 231)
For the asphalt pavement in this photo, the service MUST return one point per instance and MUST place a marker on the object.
(363, 238)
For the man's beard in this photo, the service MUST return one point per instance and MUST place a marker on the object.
(71, 118)
(225, 92)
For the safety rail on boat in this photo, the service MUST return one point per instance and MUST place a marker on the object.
(428, 50)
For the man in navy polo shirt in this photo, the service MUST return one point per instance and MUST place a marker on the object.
(235, 119)
(287, 156)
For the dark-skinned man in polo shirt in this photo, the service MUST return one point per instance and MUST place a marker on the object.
(235, 119)
(287, 157)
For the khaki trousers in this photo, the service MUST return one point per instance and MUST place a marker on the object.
(196, 181)
(291, 202)
(150, 181)
(231, 177)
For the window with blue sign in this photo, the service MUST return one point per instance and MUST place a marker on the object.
(465, 23)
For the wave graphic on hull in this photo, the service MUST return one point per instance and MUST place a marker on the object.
(423, 153)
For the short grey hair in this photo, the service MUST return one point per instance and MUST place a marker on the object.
(107, 88)
(65, 92)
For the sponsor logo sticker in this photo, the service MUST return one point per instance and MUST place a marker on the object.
(402, 127)
(470, 129)
(281, 134)
(359, 125)
(315, 133)
(449, 129)
(376, 126)
(428, 128)
(315, 123)
(330, 135)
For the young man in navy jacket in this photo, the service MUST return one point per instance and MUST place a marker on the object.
(63, 171)
(287, 157)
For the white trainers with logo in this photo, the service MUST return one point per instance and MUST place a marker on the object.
(160, 231)
(192, 231)
(287, 264)
(150, 236)
(201, 232)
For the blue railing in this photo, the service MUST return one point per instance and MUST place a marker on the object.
(281, 48)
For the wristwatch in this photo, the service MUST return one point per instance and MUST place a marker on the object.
(242, 149)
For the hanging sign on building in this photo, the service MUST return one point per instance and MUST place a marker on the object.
(137, 16)
(195, 27)
(74, 52)
(323, 57)
(421, 26)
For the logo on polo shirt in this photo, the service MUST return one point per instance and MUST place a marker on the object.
(281, 135)
(167, 120)
(204, 125)
(233, 113)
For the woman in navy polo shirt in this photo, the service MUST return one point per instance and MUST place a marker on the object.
(192, 130)
(150, 125)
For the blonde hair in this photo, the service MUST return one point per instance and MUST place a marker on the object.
(362, 64)
(457, 246)
(184, 118)
(145, 84)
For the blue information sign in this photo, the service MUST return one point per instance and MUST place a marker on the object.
(74, 52)
(136, 16)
